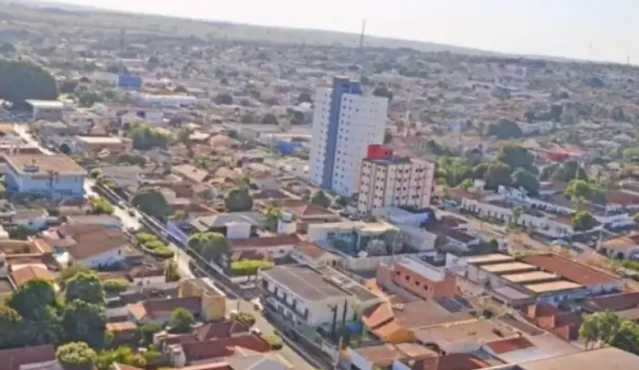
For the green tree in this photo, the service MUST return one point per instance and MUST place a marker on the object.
(272, 215)
(321, 199)
(517, 156)
(388, 137)
(505, 129)
(223, 99)
(627, 337)
(147, 330)
(171, 272)
(239, 200)
(65, 149)
(33, 300)
(71, 271)
(88, 98)
(526, 180)
(21, 81)
(76, 356)
(11, 327)
(304, 98)
(132, 159)
(583, 221)
(152, 202)
(211, 246)
(246, 318)
(453, 170)
(249, 267)
(582, 189)
(497, 174)
(116, 286)
(84, 322)
(121, 355)
(181, 321)
(100, 206)
(599, 328)
(146, 137)
(384, 92)
(517, 213)
(7, 48)
(269, 119)
(86, 287)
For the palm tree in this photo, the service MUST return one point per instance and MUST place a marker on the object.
(52, 178)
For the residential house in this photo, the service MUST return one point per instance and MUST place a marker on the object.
(465, 337)
(34, 219)
(455, 361)
(397, 323)
(23, 358)
(191, 173)
(160, 309)
(384, 355)
(103, 146)
(102, 220)
(271, 247)
(314, 255)
(235, 225)
(54, 176)
(87, 245)
(624, 305)
(48, 110)
(604, 358)
(22, 274)
(305, 214)
(622, 247)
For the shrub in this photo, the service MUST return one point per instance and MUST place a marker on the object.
(249, 267)
(163, 252)
(273, 340)
(115, 286)
(154, 244)
(246, 318)
(144, 237)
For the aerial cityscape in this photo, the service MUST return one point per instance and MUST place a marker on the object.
(184, 194)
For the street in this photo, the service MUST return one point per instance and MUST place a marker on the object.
(183, 260)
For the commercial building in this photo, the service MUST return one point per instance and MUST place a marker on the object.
(53, 176)
(50, 110)
(345, 123)
(386, 180)
(103, 146)
(419, 278)
(315, 296)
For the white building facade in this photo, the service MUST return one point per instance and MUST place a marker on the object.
(394, 181)
(345, 123)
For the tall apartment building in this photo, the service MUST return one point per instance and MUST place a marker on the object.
(345, 123)
(387, 180)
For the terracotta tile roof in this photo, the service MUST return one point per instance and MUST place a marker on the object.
(210, 349)
(302, 208)
(510, 345)
(310, 249)
(98, 243)
(217, 330)
(623, 242)
(460, 361)
(153, 308)
(569, 269)
(613, 302)
(264, 242)
(28, 273)
(12, 359)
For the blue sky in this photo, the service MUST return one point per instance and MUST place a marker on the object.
(544, 27)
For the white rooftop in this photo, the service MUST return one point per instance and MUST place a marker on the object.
(46, 104)
(429, 272)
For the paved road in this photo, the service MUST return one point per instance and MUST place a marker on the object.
(184, 264)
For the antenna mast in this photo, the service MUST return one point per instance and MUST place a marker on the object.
(361, 37)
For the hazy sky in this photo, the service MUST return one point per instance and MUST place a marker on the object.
(544, 27)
